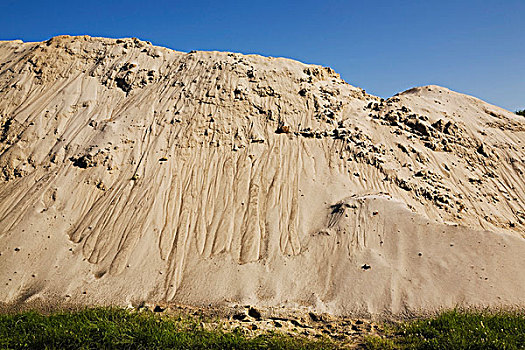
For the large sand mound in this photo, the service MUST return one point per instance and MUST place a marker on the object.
(134, 173)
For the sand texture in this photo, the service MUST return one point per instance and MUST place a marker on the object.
(131, 173)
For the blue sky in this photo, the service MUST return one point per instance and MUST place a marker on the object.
(475, 47)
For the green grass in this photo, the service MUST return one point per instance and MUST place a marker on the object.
(456, 330)
(113, 328)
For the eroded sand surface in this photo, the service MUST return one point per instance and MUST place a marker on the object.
(132, 173)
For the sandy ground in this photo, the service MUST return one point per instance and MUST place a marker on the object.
(132, 173)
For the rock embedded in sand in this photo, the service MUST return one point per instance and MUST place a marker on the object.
(253, 312)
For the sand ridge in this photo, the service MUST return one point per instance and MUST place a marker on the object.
(132, 172)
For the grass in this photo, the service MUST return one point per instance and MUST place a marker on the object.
(456, 330)
(113, 328)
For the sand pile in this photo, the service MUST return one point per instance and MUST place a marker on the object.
(133, 173)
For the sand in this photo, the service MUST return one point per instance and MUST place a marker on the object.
(133, 173)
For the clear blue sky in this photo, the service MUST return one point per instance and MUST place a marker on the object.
(472, 46)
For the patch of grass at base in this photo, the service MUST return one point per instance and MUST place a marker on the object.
(103, 328)
(456, 330)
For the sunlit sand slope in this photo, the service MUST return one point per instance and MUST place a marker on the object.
(132, 173)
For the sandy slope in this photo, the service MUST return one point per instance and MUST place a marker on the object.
(136, 173)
